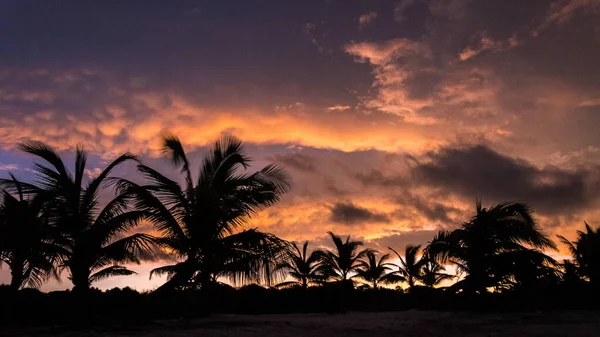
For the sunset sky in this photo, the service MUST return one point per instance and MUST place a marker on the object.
(391, 116)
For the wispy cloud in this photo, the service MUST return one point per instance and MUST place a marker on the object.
(338, 108)
(563, 11)
(365, 19)
(487, 44)
(8, 167)
(589, 103)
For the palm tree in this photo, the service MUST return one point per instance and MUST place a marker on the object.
(433, 273)
(374, 271)
(201, 221)
(528, 269)
(570, 273)
(93, 238)
(26, 240)
(410, 268)
(483, 246)
(303, 268)
(345, 260)
(586, 253)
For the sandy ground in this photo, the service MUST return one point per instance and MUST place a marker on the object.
(408, 323)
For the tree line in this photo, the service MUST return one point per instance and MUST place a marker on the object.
(59, 224)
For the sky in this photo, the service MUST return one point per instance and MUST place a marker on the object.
(392, 117)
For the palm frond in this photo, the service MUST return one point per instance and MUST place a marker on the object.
(110, 272)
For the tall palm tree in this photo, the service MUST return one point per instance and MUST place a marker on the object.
(410, 268)
(26, 239)
(92, 237)
(345, 260)
(374, 270)
(433, 273)
(586, 253)
(482, 246)
(201, 221)
(304, 268)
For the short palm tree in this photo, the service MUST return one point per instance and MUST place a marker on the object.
(570, 273)
(304, 268)
(343, 263)
(26, 238)
(494, 238)
(586, 253)
(410, 268)
(201, 221)
(92, 238)
(433, 273)
(373, 270)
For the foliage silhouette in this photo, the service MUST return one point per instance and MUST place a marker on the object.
(586, 253)
(433, 274)
(570, 274)
(305, 269)
(527, 269)
(27, 241)
(57, 223)
(200, 221)
(373, 270)
(482, 246)
(92, 239)
(343, 263)
(410, 269)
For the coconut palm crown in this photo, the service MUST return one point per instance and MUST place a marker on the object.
(373, 270)
(201, 220)
(93, 238)
(586, 253)
(304, 268)
(344, 261)
(27, 241)
(484, 246)
(410, 268)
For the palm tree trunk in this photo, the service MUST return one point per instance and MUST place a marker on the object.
(80, 279)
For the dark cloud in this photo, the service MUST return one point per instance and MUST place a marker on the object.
(399, 240)
(395, 240)
(479, 171)
(350, 214)
(376, 177)
(428, 207)
(298, 161)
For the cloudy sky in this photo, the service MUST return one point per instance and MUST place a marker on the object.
(391, 116)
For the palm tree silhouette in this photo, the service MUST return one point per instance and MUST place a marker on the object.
(27, 243)
(484, 245)
(374, 271)
(570, 273)
(200, 221)
(345, 260)
(433, 273)
(526, 269)
(92, 238)
(302, 267)
(410, 268)
(586, 253)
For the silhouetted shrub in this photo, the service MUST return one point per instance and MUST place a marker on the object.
(127, 306)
